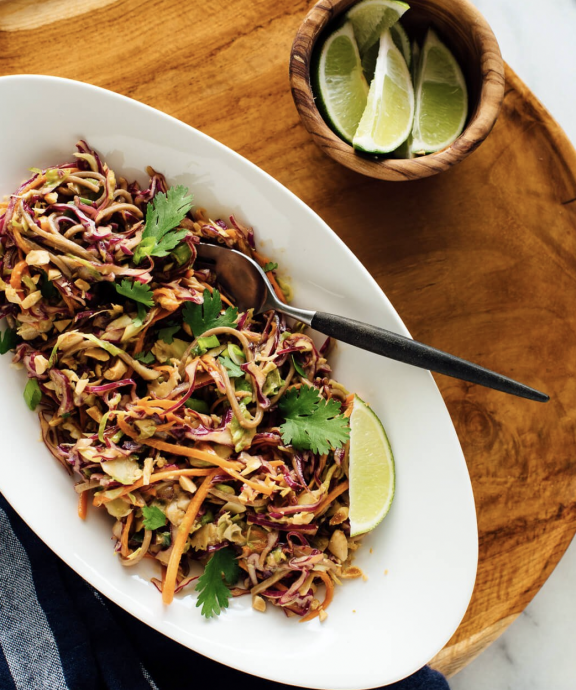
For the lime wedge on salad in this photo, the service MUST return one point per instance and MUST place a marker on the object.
(441, 98)
(371, 470)
(371, 17)
(341, 85)
(387, 120)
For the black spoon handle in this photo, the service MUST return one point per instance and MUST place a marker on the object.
(402, 349)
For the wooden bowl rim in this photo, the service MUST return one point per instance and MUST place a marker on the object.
(477, 129)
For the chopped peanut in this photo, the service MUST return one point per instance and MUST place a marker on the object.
(339, 516)
(97, 353)
(258, 604)
(116, 372)
(82, 284)
(339, 545)
(187, 484)
(95, 413)
(351, 573)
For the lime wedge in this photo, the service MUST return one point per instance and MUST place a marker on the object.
(371, 470)
(387, 120)
(371, 17)
(441, 98)
(341, 85)
(402, 42)
(369, 61)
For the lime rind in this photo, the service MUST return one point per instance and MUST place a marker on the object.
(371, 17)
(400, 38)
(441, 98)
(387, 120)
(371, 468)
(342, 88)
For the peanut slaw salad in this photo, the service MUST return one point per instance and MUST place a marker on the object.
(210, 436)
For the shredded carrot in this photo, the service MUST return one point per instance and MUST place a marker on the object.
(99, 499)
(263, 260)
(164, 367)
(327, 580)
(83, 505)
(182, 535)
(17, 272)
(165, 427)
(155, 403)
(125, 534)
(349, 402)
(277, 289)
(178, 450)
(340, 489)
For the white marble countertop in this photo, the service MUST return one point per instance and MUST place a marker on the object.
(537, 39)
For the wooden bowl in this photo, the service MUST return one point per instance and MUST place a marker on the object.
(465, 32)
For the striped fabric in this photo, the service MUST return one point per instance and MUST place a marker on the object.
(57, 633)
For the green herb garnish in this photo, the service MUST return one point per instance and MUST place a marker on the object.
(47, 288)
(32, 394)
(298, 367)
(204, 317)
(205, 344)
(270, 266)
(142, 314)
(163, 215)
(213, 593)
(145, 357)
(167, 334)
(8, 340)
(234, 371)
(153, 517)
(135, 291)
(197, 405)
(312, 423)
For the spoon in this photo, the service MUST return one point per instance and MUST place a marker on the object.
(243, 278)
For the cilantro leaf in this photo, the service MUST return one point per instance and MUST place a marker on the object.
(234, 370)
(32, 394)
(198, 405)
(298, 367)
(270, 266)
(153, 517)
(136, 291)
(312, 423)
(163, 215)
(203, 317)
(213, 593)
(167, 334)
(47, 288)
(8, 340)
(142, 313)
(145, 357)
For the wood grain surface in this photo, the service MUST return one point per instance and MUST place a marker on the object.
(479, 260)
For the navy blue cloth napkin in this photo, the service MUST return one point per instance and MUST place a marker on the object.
(58, 633)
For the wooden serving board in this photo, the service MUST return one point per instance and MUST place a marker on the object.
(479, 261)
